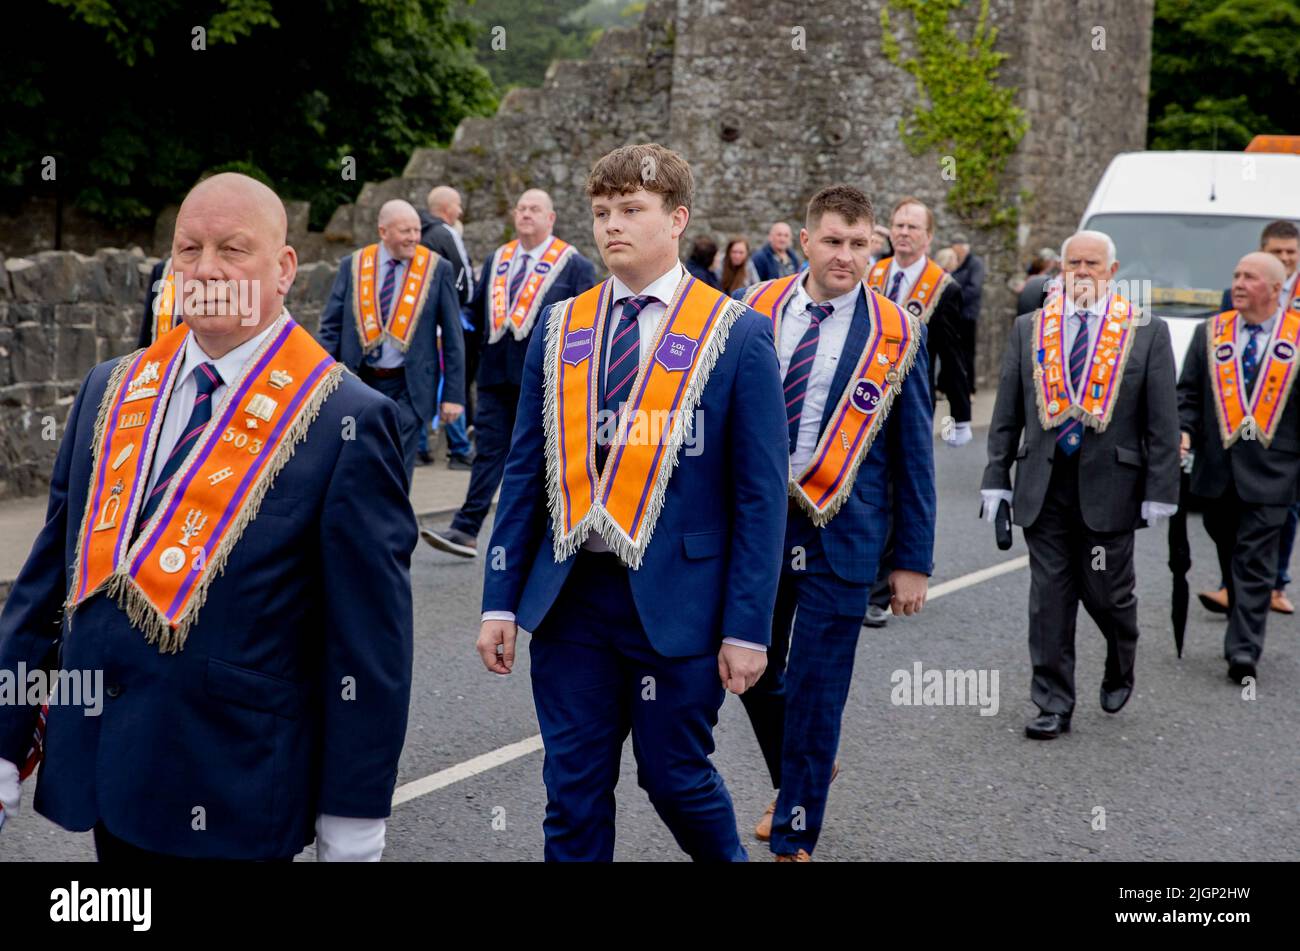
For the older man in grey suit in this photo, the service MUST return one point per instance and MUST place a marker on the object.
(1089, 381)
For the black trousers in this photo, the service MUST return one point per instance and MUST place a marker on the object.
(493, 427)
(110, 849)
(1246, 539)
(967, 335)
(1069, 563)
(948, 367)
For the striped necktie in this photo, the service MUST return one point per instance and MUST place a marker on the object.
(895, 285)
(624, 361)
(207, 379)
(796, 377)
(386, 292)
(1250, 360)
(517, 281)
(1069, 436)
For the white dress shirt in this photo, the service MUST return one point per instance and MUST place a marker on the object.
(339, 839)
(390, 354)
(830, 344)
(517, 262)
(181, 403)
(911, 274)
(466, 273)
(661, 290)
(1261, 339)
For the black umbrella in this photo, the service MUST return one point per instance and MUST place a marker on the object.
(1180, 558)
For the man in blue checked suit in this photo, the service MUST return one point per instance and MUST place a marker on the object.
(859, 442)
(383, 318)
(648, 587)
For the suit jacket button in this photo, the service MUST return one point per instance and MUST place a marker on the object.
(113, 690)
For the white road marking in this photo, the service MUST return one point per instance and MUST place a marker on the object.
(506, 754)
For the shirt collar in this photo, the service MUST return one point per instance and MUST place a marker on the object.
(661, 289)
(1266, 325)
(1098, 308)
(230, 366)
(537, 250)
(385, 257)
(910, 273)
(845, 302)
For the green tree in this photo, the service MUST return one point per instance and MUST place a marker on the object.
(518, 39)
(144, 96)
(1223, 71)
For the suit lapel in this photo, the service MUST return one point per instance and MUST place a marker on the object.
(859, 330)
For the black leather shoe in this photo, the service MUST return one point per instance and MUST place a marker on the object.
(423, 458)
(460, 463)
(1047, 726)
(1239, 668)
(452, 541)
(1112, 701)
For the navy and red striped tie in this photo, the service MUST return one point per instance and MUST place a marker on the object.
(796, 377)
(1069, 436)
(207, 379)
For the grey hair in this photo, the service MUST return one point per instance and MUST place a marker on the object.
(1097, 235)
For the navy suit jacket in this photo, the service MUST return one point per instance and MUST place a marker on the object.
(765, 262)
(338, 335)
(503, 362)
(249, 722)
(895, 479)
(712, 565)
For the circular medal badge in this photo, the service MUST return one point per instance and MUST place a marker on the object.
(1284, 351)
(172, 560)
(1223, 352)
(914, 308)
(866, 396)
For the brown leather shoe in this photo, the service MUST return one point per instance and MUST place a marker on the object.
(1281, 603)
(1215, 602)
(800, 856)
(763, 831)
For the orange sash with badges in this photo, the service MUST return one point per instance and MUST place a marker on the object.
(164, 303)
(1273, 379)
(411, 297)
(161, 578)
(541, 276)
(623, 503)
(1096, 404)
(925, 294)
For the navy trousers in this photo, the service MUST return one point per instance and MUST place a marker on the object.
(595, 679)
(492, 430)
(797, 705)
(408, 420)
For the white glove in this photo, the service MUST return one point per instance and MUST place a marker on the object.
(10, 790)
(1153, 512)
(992, 498)
(959, 436)
(340, 839)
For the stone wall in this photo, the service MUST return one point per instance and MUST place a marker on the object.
(765, 125)
(61, 313)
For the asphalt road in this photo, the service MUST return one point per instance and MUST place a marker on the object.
(1189, 770)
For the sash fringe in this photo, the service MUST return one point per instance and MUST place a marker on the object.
(141, 613)
(507, 326)
(821, 518)
(101, 425)
(1074, 410)
(597, 518)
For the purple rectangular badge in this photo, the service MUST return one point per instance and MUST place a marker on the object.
(578, 345)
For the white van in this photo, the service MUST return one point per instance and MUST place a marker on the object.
(1182, 220)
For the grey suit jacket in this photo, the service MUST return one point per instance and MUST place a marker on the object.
(1133, 461)
(1262, 476)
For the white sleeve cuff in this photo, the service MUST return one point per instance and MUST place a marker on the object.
(497, 616)
(991, 499)
(10, 789)
(341, 839)
(1153, 512)
(737, 642)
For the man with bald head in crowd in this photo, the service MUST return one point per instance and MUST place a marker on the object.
(226, 552)
(520, 281)
(777, 258)
(1243, 431)
(382, 319)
